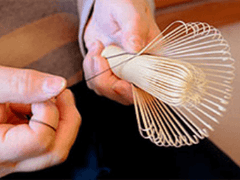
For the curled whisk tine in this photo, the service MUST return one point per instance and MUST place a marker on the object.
(162, 38)
(180, 90)
(168, 128)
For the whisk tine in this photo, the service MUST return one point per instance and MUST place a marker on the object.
(181, 88)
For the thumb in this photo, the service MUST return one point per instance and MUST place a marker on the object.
(133, 41)
(28, 86)
(134, 36)
(134, 25)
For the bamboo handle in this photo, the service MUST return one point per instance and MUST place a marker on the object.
(116, 56)
(124, 65)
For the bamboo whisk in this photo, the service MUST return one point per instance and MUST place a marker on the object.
(181, 82)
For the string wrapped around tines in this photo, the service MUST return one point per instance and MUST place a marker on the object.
(181, 82)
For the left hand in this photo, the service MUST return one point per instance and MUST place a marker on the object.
(129, 24)
(30, 146)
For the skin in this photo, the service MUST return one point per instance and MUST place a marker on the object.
(129, 24)
(33, 146)
(30, 146)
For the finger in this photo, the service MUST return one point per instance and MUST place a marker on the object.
(21, 109)
(124, 90)
(68, 127)
(96, 68)
(24, 141)
(138, 26)
(95, 49)
(3, 114)
(134, 24)
(44, 114)
(101, 79)
(89, 65)
(137, 36)
(133, 39)
(109, 85)
(16, 113)
(28, 86)
(69, 123)
(154, 32)
(115, 89)
(6, 169)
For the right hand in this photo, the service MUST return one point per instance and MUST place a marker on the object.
(33, 146)
(107, 84)
(131, 30)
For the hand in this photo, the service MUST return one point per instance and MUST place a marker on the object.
(30, 146)
(126, 23)
(107, 83)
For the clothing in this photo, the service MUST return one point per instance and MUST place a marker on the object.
(41, 35)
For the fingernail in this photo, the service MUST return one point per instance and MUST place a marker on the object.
(54, 85)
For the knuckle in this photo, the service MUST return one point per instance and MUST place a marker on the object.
(137, 17)
(61, 156)
(45, 143)
(96, 86)
(22, 82)
(85, 62)
(78, 119)
(99, 87)
(77, 115)
(46, 111)
(51, 107)
(89, 85)
(99, 90)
